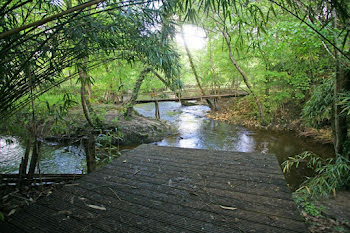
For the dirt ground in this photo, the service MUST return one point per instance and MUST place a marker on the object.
(335, 215)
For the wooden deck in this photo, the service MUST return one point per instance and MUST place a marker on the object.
(164, 189)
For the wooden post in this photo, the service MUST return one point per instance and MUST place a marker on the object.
(89, 146)
(156, 110)
(20, 174)
(34, 159)
(26, 157)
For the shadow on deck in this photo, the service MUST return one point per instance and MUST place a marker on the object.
(166, 189)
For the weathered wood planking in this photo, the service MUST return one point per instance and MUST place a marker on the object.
(239, 94)
(166, 189)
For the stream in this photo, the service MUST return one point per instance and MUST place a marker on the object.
(200, 132)
(195, 131)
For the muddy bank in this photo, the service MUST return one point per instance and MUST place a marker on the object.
(138, 129)
(242, 112)
(111, 127)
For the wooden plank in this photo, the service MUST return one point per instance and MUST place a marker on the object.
(270, 203)
(37, 218)
(208, 165)
(177, 215)
(159, 189)
(219, 176)
(243, 197)
(201, 201)
(241, 94)
(262, 189)
(204, 155)
(204, 160)
(151, 221)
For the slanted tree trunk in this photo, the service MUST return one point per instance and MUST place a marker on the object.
(83, 81)
(212, 67)
(33, 131)
(135, 92)
(244, 76)
(213, 73)
(167, 84)
(194, 68)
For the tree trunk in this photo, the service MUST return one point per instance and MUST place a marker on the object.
(342, 84)
(83, 78)
(167, 84)
(213, 74)
(135, 92)
(194, 68)
(244, 76)
(212, 67)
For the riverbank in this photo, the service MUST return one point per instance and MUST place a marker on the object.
(111, 126)
(328, 215)
(242, 112)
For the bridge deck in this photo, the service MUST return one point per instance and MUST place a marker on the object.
(163, 189)
(239, 94)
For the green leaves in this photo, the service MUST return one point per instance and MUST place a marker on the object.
(114, 30)
(318, 109)
(329, 174)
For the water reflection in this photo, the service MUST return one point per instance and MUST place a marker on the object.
(11, 153)
(53, 158)
(197, 131)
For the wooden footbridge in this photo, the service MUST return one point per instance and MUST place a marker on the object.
(189, 98)
(164, 189)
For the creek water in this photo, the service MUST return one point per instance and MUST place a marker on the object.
(195, 131)
(198, 131)
(54, 158)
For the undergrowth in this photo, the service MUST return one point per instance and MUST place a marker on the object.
(329, 174)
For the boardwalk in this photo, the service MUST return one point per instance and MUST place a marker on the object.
(163, 189)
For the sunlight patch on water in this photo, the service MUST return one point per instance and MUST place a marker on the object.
(11, 153)
(53, 159)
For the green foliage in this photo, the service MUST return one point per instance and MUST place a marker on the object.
(35, 60)
(2, 217)
(318, 109)
(308, 206)
(345, 102)
(107, 144)
(60, 109)
(330, 174)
